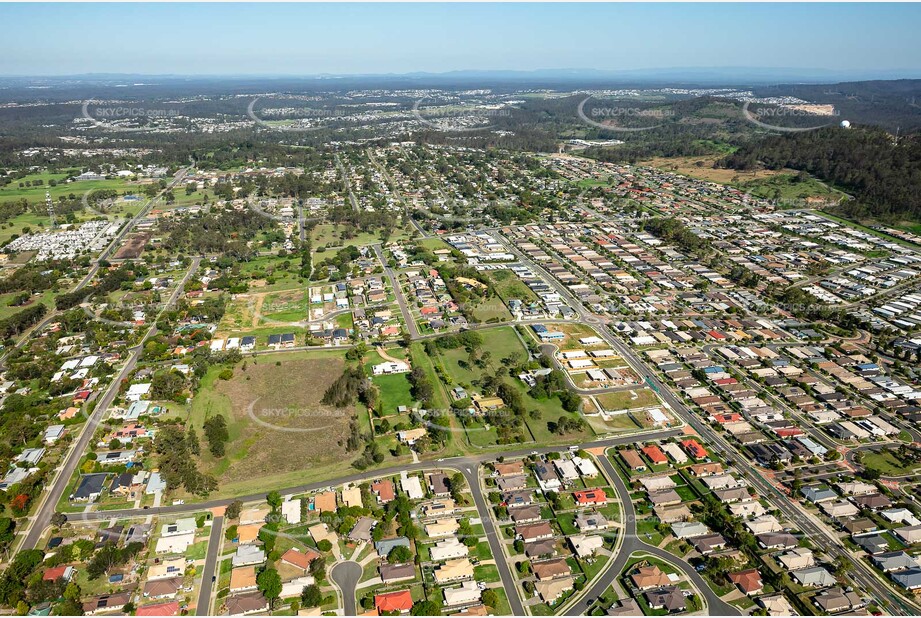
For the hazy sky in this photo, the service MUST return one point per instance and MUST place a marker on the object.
(304, 39)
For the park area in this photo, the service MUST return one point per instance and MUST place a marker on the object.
(506, 350)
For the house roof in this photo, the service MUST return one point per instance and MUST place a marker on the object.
(649, 577)
(400, 601)
(170, 608)
(748, 580)
(243, 577)
(299, 559)
(548, 569)
(246, 602)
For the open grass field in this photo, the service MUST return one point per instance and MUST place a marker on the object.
(701, 167)
(286, 306)
(492, 310)
(331, 236)
(887, 462)
(787, 187)
(508, 285)
(769, 184)
(276, 422)
(394, 391)
(36, 194)
(628, 400)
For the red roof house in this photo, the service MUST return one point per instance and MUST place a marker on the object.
(159, 609)
(655, 454)
(590, 496)
(694, 449)
(748, 581)
(401, 601)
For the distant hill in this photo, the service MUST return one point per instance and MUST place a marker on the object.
(893, 104)
(884, 174)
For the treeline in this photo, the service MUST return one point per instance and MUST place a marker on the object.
(676, 232)
(883, 174)
(225, 231)
(19, 322)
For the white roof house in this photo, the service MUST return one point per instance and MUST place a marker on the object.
(176, 543)
(291, 511)
(411, 486)
(136, 392)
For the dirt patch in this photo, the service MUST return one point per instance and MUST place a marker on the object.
(133, 246)
(278, 423)
(702, 168)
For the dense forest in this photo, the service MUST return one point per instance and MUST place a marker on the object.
(881, 172)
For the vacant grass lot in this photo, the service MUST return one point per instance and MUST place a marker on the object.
(508, 285)
(628, 400)
(887, 462)
(296, 431)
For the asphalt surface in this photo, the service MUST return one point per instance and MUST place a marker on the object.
(496, 546)
(346, 575)
(42, 517)
(632, 544)
(203, 606)
(398, 292)
(450, 462)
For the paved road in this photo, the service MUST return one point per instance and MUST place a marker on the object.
(42, 517)
(398, 292)
(346, 575)
(496, 545)
(203, 606)
(347, 184)
(818, 533)
(632, 544)
(805, 522)
(450, 462)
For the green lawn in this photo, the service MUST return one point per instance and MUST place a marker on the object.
(394, 392)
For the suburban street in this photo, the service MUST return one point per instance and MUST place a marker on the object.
(42, 517)
(346, 575)
(203, 605)
(631, 544)
(405, 309)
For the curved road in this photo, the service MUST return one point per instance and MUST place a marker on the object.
(346, 575)
(631, 544)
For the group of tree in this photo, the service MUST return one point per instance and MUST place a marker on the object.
(216, 434)
(177, 461)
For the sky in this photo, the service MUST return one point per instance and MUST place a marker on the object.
(310, 39)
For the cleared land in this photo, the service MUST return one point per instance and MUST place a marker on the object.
(306, 433)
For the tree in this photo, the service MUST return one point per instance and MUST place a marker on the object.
(426, 608)
(217, 434)
(233, 509)
(324, 545)
(490, 598)
(399, 554)
(269, 583)
(311, 596)
(274, 500)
